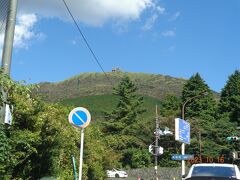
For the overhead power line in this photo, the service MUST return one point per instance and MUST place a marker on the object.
(86, 42)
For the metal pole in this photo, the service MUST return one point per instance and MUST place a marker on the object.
(81, 155)
(183, 144)
(74, 168)
(156, 143)
(183, 162)
(7, 47)
(9, 36)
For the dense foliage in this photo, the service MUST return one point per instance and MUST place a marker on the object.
(41, 142)
(201, 98)
(209, 129)
(123, 124)
(230, 98)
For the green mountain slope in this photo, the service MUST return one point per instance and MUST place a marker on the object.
(98, 104)
(86, 84)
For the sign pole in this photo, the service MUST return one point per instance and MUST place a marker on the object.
(74, 168)
(81, 155)
(183, 162)
(80, 117)
(183, 145)
(156, 144)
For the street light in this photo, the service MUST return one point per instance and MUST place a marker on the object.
(190, 99)
(183, 116)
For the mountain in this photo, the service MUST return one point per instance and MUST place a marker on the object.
(87, 84)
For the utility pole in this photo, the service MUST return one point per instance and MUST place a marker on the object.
(7, 47)
(156, 143)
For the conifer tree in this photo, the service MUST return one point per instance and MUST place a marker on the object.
(129, 106)
(201, 112)
(170, 106)
(123, 127)
(230, 98)
(204, 103)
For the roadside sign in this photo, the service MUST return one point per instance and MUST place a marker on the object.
(160, 150)
(155, 150)
(150, 148)
(8, 115)
(159, 132)
(180, 157)
(182, 131)
(79, 117)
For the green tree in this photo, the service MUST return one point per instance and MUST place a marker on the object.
(200, 110)
(129, 107)
(5, 154)
(230, 98)
(204, 105)
(124, 126)
(170, 106)
(17, 145)
(136, 158)
(59, 140)
(39, 142)
(98, 155)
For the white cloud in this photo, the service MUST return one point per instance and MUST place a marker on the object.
(174, 16)
(149, 23)
(23, 31)
(92, 12)
(152, 19)
(169, 33)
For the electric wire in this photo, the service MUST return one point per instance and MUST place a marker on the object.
(86, 42)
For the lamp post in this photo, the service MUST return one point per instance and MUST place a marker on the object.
(183, 116)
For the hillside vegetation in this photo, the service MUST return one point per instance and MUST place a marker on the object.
(41, 142)
(98, 104)
(86, 84)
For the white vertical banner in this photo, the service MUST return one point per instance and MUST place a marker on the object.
(182, 131)
(8, 115)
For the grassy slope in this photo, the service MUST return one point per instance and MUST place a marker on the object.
(86, 84)
(98, 104)
(106, 103)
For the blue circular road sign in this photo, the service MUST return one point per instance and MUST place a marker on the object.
(79, 117)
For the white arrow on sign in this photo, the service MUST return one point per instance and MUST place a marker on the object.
(150, 148)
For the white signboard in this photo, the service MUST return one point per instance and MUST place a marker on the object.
(8, 115)
(182, 131)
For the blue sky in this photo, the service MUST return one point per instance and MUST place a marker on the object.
(170, 37)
